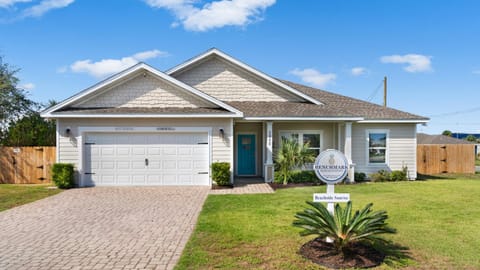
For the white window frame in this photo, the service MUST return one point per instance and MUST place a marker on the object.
(300, 136)
(367, 146)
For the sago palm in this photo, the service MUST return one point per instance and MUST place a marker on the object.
(343, 227)
(292, 155)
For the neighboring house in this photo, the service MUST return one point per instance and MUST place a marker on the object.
(146, 127)
(438, 154)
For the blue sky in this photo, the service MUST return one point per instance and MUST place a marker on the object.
(429, 49)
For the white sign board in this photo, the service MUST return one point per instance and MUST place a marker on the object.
(331, 166)
(331, 198)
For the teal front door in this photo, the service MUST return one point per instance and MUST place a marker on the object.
(246, 154)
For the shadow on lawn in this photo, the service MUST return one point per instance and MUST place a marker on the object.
(395, 254)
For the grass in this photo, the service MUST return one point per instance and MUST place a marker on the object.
(15, 195)
(438, 220)
(477, 162)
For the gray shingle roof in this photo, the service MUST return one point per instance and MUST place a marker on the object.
(284, 109)
(423, 138)
(348, 106)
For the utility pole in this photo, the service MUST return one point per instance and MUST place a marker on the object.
(385, 91)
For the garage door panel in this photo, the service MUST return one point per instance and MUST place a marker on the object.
(139, 179)
(185, 164)
(200, 164)
(154, 180)
(120, 159)
(107, 178)
(169, 164)
(169, 178)
(107, 165)
(185, 179)
(184, 151)
(138, 164)
(154, 151)
(122, 165)
(154, 164)
(123, 151)
(123, 179)
(138, 151)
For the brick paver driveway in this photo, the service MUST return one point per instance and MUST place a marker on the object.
(101, 228)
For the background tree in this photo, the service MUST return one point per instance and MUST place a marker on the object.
(20, 121)
(447, 133)
(13, 100)
(471, 138)
(30, 130)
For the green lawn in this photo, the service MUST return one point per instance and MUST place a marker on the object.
(15, 195)
(438, 220)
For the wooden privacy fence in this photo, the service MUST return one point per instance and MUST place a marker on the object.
(26, 165)
(445, 158)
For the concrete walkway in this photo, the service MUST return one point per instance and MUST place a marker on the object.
(101, 228)
(246, 186)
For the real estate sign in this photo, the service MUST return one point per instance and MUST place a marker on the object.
(331, 166)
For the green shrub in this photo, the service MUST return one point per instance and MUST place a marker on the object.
(292, 155)
(297, 177)
(380, 176)
(343, 228)
(398, 176)
(62, 175)
(360, 177)
(221, 173)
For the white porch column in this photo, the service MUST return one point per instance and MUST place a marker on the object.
(348, 151)
(269, 149)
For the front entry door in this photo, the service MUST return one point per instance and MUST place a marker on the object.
(246, 154)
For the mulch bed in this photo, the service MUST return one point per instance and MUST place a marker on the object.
(222, 187)
(323, 253)
(276, 186)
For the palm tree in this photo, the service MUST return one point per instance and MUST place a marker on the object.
(292, 155)
(343, 228)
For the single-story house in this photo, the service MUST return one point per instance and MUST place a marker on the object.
(147, 127)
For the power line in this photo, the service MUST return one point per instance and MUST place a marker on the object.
(375, 92)
(456, 112)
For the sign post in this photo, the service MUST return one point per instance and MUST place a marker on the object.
(331, 167)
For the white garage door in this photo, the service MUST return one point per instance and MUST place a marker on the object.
(146, 159)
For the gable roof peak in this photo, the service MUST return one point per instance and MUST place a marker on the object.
(216, 52)
(125, 74)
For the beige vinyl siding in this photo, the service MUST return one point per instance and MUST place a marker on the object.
(401, 147)
(69, 150)
(227, 82)
(144, 91)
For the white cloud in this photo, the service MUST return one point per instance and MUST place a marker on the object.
(9, 3)
(106, 67)
(45, 6)
(28, 86)
(214, 14)
(357, 71)
(415, 62)
(314, 77)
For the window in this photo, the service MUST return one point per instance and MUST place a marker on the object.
(313, 138)
(377, 146)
